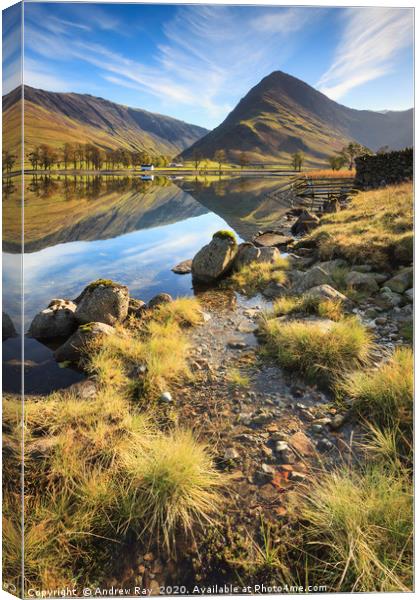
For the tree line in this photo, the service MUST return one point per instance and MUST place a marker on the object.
(345, 157)
(90, 157)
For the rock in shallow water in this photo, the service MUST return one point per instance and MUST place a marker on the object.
(159, 299)
(8, 329)
(215, 259)
(183, 268)
(56, 321)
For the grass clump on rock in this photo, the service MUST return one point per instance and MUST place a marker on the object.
(225, 234)
(375, 229)
(255, 277)
(320, 350)
(103, 282)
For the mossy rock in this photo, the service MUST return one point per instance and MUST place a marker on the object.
(105, 283)
(403, 249)
(225, 234)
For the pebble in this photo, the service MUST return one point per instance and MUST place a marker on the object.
(324, 444)
(236, 344)
(166, 397)
(296, 476)
(231, 454)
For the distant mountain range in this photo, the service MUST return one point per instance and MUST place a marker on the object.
(55, 118)
(282, 115)
(277, 117)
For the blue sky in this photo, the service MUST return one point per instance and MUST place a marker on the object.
(196, 62)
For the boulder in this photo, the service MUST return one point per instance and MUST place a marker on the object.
(326, 292)
(215, 259)
(274, 290)
(315, 276)
(268, 254)
(409, 294)
(72, 349)
(56, 321)
(389, 299)
(401, 282)
(329, 266)
(84, 390)
(136, 307)
(305, 223)
(103, 301)
(273, 238)
(247, 254)
(183, 267)
(8, 329)
(162, 298)
(363, 282)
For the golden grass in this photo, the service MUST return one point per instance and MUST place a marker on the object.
(376, 228)
(256, 276)
(184, 311)
(385, 395)
(99, 472)
(176, 484)
(320, 353)
(237, 379)
(330, 174)
(358, 528)
(327, 308)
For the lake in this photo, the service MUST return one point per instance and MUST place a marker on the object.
(78, 229)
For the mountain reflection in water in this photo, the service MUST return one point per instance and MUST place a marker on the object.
(78, 229)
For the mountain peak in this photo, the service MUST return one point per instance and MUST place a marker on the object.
(282, 114)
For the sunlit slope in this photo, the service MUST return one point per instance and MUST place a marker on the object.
(282, 115)
(55, 118)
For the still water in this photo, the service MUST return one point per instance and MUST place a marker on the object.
(78, 229)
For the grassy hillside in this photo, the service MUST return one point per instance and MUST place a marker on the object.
(53, 119)
(282, 115)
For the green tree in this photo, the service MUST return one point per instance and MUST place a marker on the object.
(297, 160)
(220, 158)
(197, 158)
(352, 151)
(336, 162)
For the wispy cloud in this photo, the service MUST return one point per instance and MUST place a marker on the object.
(207, 57)
(372, 40)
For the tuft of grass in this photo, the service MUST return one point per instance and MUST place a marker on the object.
(358, 528)
(385, 395)
(255, 277)
(176, 484)
(376, 228)
(98, 471)
(184, 311)
(328, 308)
(237, 379)
(104, 283)
(320, 352)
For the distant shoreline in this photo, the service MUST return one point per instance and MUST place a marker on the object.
(160, 171)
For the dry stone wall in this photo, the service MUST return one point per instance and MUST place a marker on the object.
(384, 169)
